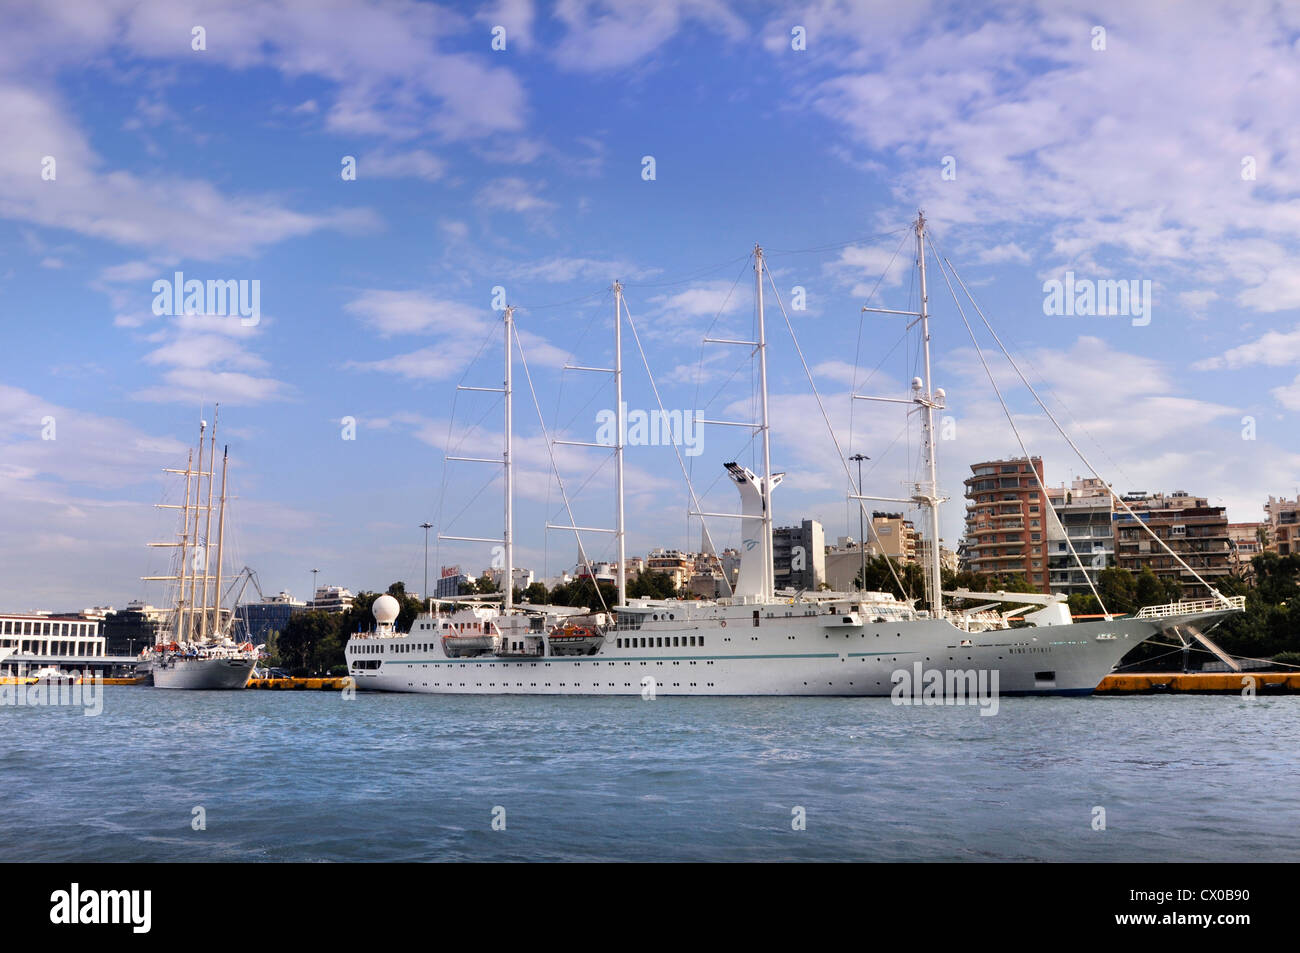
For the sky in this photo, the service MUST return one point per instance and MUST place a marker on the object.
(389, 173)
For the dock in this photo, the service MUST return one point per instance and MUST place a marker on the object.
(330, 684)
(1200, 683)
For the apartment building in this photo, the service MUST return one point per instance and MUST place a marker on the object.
(1082, 519)
(1006, 520)
(1188, 525)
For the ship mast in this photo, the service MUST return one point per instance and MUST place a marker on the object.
(619, 529)
(185, 535)
(506, 540)
(769, 571)
(207, 529)
(221, 536)
(928, 493)
(198, 496)
(508, 582)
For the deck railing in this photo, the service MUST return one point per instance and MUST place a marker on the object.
(1189, 607)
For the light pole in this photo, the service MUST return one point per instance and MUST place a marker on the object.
(862, 541)
(313, 584)
(426, 527)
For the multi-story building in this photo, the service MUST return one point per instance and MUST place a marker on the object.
(678, 565)
(523, 577)
(1283, 525)
(450, 579)
(331, 599)
(1245, 542)
(799, 556)
(1006, 520)
(1188, 525)
(892, 536)
(131, 630)
(258, 620)
(1082, 518)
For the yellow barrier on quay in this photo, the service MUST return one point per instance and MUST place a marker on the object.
(333, 684)
(1221, 683)
(111, 680)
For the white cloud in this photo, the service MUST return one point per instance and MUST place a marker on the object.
(410, 312)
(512, 194)
(603, 36)
(1289, 395)
(1274, 349)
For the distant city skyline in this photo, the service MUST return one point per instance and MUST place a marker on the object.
(385, 186)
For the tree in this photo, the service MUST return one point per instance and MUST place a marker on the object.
(652, 585)
(536, 593)
(1117, 589)
(310, 641)
(880, 578)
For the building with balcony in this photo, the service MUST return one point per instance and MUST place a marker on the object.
(677, 565)
(1006, 520)
(331, 599)
(1283, 525)
(1245, 542)
(1195, 531)
(1083, 519)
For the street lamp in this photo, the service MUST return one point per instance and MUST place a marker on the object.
(862, 541)
(313, 584)
(426, 527)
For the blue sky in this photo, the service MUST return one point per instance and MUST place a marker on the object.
(522, 168)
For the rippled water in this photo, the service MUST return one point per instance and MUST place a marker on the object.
(308, 776)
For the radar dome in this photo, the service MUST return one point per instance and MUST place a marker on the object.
(916, 383)
(385, 609)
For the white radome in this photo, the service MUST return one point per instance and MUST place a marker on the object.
(385, 609)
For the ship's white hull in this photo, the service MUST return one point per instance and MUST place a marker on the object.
(727, 654)
(203, 673)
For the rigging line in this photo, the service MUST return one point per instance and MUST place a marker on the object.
(699, 369)
(699, 274)
(550, 449)
(1128, 509)
(854, 241)
(704, 523)
(1046, 386)
(857, 350)
(1204, 651)
(447, 448)
(590, 476)
(560, 304)
(840, 453)
(1020, 440)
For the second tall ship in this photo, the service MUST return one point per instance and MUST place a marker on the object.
(200, 654)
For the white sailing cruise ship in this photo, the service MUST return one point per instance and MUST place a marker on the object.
(201, 653)
(759, 641)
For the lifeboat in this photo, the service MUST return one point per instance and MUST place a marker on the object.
(571, 638)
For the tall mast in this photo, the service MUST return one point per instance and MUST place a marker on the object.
(198, 495)
(207, 529)
(508, 583)
(221, 536)
(185, 535)
(930, 492)
(769, 574)
(619, 529)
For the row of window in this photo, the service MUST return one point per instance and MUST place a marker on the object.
(19, 627)
(662, 642)
(87, 648)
